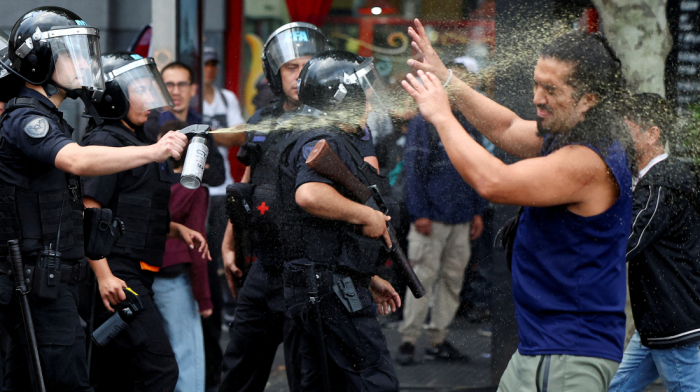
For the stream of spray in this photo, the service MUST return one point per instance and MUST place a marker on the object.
(515, 54)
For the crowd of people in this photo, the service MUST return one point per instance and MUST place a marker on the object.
(332, 184)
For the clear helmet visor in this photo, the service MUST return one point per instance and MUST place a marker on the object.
(77, 61)
(373, 85)
(143, 85)
(4, 39)
(292, 44)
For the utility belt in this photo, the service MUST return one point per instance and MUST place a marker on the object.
(325, 275)
(344, 286)
(72, 272)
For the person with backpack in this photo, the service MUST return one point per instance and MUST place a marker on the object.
(663, 254)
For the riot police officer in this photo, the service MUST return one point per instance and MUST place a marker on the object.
(139, 197)
(258, 325)
(321, 240)
(52, 55)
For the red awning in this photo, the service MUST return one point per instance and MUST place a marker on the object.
(310, 11)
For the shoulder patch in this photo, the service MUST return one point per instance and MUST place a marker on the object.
(366, 135)
(37, 128)
(306, 150)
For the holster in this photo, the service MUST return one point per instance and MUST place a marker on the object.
(239, 199)
(47, 275)
(101, 231)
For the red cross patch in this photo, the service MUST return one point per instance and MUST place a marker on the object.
(263, 208)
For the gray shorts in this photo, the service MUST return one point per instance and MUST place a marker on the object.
(554, 373)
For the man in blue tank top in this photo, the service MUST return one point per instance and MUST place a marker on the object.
(574, 182)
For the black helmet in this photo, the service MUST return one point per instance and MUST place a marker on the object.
(337, 80)
(40, 38)
(126, 72)
(289, 42)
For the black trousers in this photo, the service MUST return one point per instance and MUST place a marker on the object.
(356, 349)
(258, 328)
(60, 337)
(140, 358)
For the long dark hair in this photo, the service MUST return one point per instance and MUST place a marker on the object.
(596, 70)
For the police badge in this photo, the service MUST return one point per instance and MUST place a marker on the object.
(37, 128)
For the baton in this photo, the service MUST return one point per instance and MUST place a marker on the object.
(16, 263)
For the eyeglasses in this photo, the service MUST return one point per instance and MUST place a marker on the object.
(180, 86)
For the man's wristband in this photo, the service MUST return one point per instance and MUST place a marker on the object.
(448, 80)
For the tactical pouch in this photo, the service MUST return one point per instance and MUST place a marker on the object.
(239, 199)
(344, 288)
(360, 254)
(101, 232)
(47, 275)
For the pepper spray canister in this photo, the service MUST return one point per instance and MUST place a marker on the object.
(196, 159)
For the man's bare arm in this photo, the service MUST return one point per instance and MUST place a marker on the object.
(496, 122)
(323, 201)
(575, 175)
(102, 160)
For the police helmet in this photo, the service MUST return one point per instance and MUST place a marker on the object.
(290, 42)
(48, 39)
(337, 80)
(131, 81)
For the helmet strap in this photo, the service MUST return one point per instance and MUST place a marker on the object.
(129, 123)
(50, 88)
(78, 93)
(89, 107)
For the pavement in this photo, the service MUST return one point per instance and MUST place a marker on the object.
(429, 375)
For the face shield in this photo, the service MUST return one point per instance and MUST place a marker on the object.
(142, 84)
(4, 39)
(293, 43)
(76, 56)
(367, 76)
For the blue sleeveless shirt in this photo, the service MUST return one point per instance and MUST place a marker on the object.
(569, 273)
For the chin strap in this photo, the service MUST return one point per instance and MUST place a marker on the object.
(89, 107)
(51, 88)
(129, 123)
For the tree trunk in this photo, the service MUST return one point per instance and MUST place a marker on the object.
(638, 31)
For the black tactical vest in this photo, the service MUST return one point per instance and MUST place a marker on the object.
(143, 206)
(32, 209)
(282, 231)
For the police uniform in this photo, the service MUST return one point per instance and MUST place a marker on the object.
(258, 325)
(34, 197)
(140, 357)
(356, 349)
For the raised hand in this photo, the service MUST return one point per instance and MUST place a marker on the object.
(428, 60)
(429, 95)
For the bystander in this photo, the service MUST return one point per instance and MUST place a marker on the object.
(664, 259)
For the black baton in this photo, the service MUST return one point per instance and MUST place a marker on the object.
(312, 285)
(16, 263)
